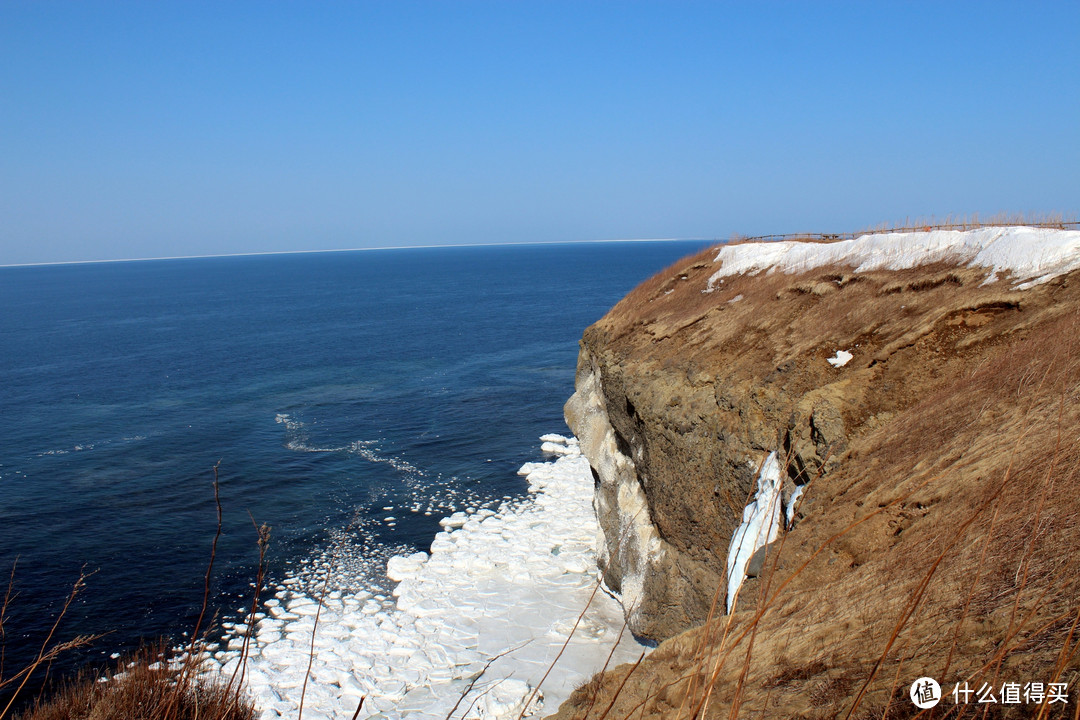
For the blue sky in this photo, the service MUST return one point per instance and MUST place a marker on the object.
(163, 129)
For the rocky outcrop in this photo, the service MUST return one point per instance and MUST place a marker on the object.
(955, 386)
(660, 588)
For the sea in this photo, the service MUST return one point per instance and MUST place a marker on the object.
(346, 401)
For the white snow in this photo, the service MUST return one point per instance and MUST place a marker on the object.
(760, 525)
(512, 582)
(842, 358)
(1031, 255)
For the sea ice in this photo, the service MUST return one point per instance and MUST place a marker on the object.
(491, 606)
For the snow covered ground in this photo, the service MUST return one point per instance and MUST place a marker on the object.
(1030, 255)
(490, 609)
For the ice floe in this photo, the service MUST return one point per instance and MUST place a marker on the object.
(558, 445)
(475, 624)
(1030, 255)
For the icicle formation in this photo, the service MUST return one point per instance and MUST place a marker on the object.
(760, 525)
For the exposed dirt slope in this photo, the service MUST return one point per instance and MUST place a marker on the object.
(938, 528)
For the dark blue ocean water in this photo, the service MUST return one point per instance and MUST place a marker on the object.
(329, 387)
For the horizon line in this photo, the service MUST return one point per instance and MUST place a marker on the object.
(360, 249)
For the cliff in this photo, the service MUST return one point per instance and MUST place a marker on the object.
(927, 486)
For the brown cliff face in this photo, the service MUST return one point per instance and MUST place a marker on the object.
(938, 528)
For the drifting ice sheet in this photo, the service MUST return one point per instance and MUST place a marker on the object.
(512, 580)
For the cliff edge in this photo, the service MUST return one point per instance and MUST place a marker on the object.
(895, 417)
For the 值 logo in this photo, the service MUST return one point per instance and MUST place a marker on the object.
(925, 693)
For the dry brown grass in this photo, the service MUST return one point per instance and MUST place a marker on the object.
(1056, 221)
(13, 684)
(1053, 221)
(147, 687)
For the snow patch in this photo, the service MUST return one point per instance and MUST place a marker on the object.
(842, 358)
(1031, 255)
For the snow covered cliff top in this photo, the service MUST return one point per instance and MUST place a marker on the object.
(1030, 255)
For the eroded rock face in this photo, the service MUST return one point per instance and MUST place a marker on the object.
(681, 394)
(653, 582)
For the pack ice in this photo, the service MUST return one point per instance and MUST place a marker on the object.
(473, 627)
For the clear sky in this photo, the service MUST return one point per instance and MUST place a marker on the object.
(151, 129)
